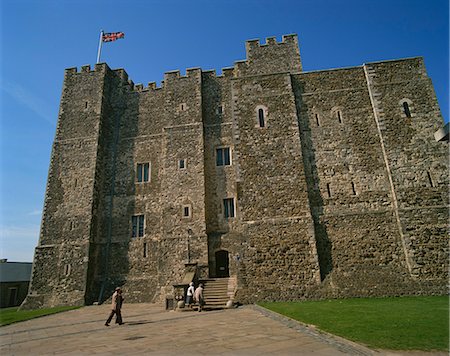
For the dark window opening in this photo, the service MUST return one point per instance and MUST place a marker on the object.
(328, 190)
(223, 156)
(137, 222)
(181, 164)
(67, 270)
(145, 249)
(406, 109)
(143, 170)
(261, 118)
(339, 117)
(85, 104)
(317, 120)
(220, 110)
(353, 188)
(430, 179)
(186, 211)
(228, 208)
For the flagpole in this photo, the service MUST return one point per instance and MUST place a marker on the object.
(100, 46)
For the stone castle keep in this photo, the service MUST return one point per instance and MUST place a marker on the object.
(320, 184)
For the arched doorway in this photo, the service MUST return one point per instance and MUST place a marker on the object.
(222, 269)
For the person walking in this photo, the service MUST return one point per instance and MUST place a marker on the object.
(198, 297)
(116, 307)
(190, 294)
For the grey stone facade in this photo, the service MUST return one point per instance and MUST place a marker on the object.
(337, 186)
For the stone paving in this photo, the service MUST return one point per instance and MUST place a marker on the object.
(150, 330)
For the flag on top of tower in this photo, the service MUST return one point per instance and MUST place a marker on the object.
(112, 36)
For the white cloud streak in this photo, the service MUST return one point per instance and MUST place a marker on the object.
(29, 100)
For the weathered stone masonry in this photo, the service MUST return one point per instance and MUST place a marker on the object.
(336, 184)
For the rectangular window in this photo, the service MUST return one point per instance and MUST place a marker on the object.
(186, 211)
(137, 222)
(223, 156)
(143, 172)
(145, 249)
(182, 164)
(228, 208)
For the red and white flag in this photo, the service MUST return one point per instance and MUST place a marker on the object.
(112, 36)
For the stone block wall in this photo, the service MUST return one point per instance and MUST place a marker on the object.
(339, 193)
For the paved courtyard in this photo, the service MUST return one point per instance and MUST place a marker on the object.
(150, 330)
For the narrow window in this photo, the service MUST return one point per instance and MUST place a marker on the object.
(137, 222)
(182, 164)
(228, 208)
(223, 156)
(143, 172)
(430, 179)
(353, 188)
(85, 104)
(406, 109)
(145, 249)
(183, 107)
(67, 270)
(339, 116)
(72, 225)
(220, 110)
(328, 190)
(186, 211)
(76, 182)
(261, 118)
(317, 120)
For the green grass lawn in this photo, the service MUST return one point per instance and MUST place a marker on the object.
(403, 323)
(12, 315)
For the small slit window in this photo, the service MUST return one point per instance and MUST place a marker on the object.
(145, 249)
(186, 211)
(182, 164)
(328, 190)
(339, 116)
(317, 120)
(137, 223)
(353, 188)
(261, 118)
(67, 270)
(406, 109)
(430, 179)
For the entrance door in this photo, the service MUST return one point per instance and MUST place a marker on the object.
(222, 264)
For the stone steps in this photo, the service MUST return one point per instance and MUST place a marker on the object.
(218, 291)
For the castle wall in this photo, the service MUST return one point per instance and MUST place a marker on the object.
(336, 191)
(348, 183)
(418, 164)
(62, 256)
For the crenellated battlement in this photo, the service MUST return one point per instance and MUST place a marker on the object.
(257, 53)
(271, 41)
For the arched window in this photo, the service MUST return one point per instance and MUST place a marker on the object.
(406, 109)
(336, 112)
(261, 118)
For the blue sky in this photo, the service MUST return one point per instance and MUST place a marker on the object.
(39, 39)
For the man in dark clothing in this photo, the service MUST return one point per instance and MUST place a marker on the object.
(116, 306)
